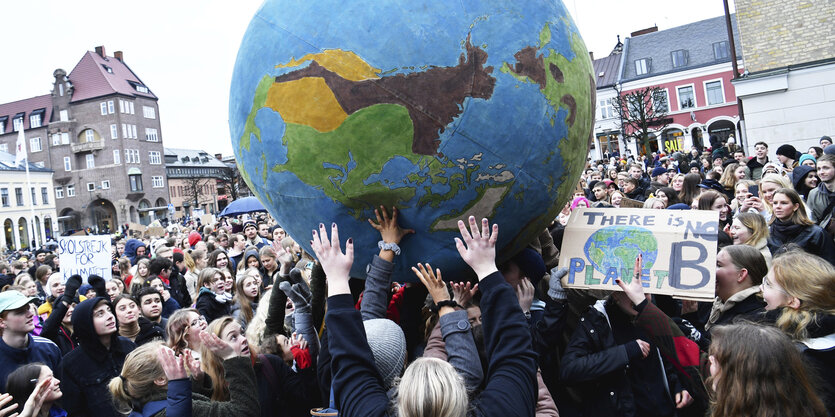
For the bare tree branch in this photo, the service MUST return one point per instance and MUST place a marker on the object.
(642, 112)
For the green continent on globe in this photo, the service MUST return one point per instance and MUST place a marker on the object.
(618, 246)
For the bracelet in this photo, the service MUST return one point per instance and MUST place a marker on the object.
(446, 303)
(389, 246)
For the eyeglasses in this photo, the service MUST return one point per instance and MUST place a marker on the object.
(197, 321)
(767, 284)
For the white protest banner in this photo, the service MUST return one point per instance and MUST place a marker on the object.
(678, 247)
(85, 256)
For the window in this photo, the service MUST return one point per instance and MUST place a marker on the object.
(714, 92)
(64, 116)
(4, 147)
(61, 90)
(18, 194)
(124, 130)
(149, 112)
(67, 164)
(607, 109)
(91, 186)
(71, 190)
(686, 99)
(635, 107)
(34, 194)
(141, 88)
(643, 66)
(110, 107)
(65, 138)
(2, 126)
(103, 106)
(4, 196)
(121, 106)
(130, 107)
(44, 195)
(136, 182)
(133, 131)
(721, 50)
(154, 158)
(35, 121)
(89, 135)
(151, 135)
(17, 123)
(56, 139)
(35, 144)
(59, 192)
(91, 161)
(660, 101)
(105, 185)
(116, 159)
(679, 58)
(157, 182)
(114, 132)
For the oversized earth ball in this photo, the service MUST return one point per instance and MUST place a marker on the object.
(443, 109)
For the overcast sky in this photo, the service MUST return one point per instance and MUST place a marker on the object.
(184, 50)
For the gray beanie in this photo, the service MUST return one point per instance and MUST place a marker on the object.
(388, 346)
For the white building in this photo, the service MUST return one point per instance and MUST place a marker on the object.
(27, 213)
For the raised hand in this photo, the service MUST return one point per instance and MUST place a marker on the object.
(172, 365)
(389, 230)
(217, 346)
(634, 290)
(192, 364)
(524, 292)
(5, 399)
(462, 293)
(337, 265)
(297, 340)
(33, 404)
(433, 283)
(478, 248)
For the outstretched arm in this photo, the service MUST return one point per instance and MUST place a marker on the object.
(378, 280)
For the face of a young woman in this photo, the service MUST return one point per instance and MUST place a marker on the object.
(112, 289)
(739, 232)
(201, 262)
(250, 287)
(721, 205)
(222, 260)
(53, 393)
(811, 180)
(30, 289)
(616, 198)
(678, 182)
(782, 206)
(773, 294)
(740, 193)
(740, 173)
(232, 334)
(768, 189)
(142, 270)
(57, 288)
(726, 276)
(284, 345)
(252, 262)
(663, 197)
(157, 284)
(127, 311)
(196, 324)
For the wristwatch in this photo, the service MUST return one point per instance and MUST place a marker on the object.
(389, 246)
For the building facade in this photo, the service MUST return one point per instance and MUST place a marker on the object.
(192, 181)
(99, 131)
(28, 212)
(788, 92)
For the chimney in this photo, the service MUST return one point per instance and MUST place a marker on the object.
(591, 55)
(219, 156)
(100, 51)
(645, 31)
(118, 55)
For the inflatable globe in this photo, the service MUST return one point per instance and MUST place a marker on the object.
(442, 109)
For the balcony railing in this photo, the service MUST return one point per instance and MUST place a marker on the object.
(96, 145)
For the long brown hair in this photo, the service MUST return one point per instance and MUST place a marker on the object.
(810, 279)
(760, 373)
(690, 188)
(799, 216)
(177, 329)
(241, 299)
(212, 364)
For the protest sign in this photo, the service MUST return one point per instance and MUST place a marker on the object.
(630, 203)
(85, 256)
(155, 231)
(678, 247)
(207, 219)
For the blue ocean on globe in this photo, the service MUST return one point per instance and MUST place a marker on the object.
(618, 246)
(442, 109)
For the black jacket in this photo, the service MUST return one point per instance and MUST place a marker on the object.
(148, 332)
(54, 330)
(88, 369)
(600, 368)
(284, 392)
(811, 238)
(178, 288)
(210, 308)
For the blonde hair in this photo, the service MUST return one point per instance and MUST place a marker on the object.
(135, 386)
(212, 364)
(728, 179)
(431, 387)
(810, 279)
(256, 326)
(777, 179)
(207, 276)
(23, 279)
(177, 329)
(651, 201)
(756, 224)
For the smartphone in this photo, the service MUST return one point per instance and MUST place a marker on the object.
(754, 190)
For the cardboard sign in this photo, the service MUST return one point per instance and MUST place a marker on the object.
(207, 219)
(155, 231)
(136, 227)
(678, 247)
(85, 256)
(630, 203)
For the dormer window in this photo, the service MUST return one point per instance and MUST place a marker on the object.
(679, 58)
(643, 66)
(107, 68)
(17, 122)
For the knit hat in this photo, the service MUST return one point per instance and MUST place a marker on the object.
(679, 206)
(658, 171)
(531, 264)
(788, 151)
(824, 137)
(388, 346)
(829, 150)
(806, 157)
(249, 223)
(694, 164)
(193, 238)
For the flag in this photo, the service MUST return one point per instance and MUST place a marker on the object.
(20, 154)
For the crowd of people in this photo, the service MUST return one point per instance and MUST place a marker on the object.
(234, 318)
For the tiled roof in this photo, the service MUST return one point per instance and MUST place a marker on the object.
(91, 78)
(7, 163)
(195, 159)
(606, 70)
(26, 106)
(696, 38)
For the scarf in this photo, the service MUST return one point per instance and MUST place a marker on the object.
(129, 330)
(785, 231)
(720, 308)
